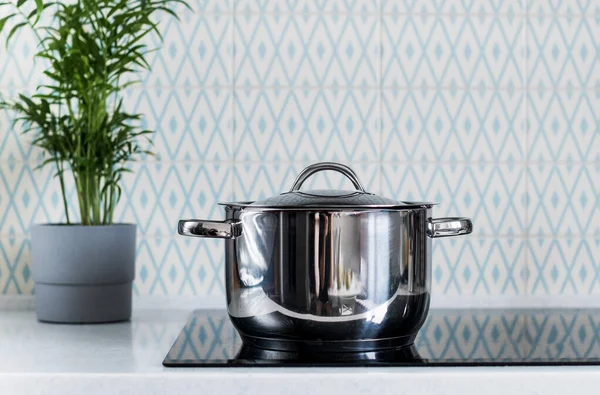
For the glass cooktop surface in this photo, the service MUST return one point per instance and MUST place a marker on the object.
(495, 337)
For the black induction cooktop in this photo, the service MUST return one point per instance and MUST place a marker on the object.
(449, 338)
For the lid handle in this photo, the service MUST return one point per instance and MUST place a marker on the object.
(317, 167)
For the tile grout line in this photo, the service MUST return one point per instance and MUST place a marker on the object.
(380, 87)
(380, 97)
(523, 237)
(233, 94)
(526, 139)
(394, 14)
(373, 161)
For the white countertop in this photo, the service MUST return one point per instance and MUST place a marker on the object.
(126, 358)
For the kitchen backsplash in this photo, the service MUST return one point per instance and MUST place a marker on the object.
(491, 108)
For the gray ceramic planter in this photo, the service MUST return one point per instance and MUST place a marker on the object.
(83, 274)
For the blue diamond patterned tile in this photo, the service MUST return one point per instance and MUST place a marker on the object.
(254, 181)
(197, 51)
(491, 194)
(563, 8)
(14, 145)
(308, 124)
(563, 52)
(257, 181)
(15, 271)
(446, 125)
(306, 6)
(211, 6)
(156, 196)
(563, 266)
(26, 197)
(478, 266)
(563, 200)
(452, 7)
(426, 100)
(190, 125)
(443, 51)
(563, 126)
(315, 50)
(180, 266)
(211, 185)
(17, 70)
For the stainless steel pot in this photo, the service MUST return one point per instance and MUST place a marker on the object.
(327, 270)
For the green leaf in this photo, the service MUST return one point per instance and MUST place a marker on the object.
(20, 3)
(40, 8)
(3, 22)
(14, 30)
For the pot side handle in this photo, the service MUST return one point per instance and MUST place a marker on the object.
(452, 226)
(227, 229)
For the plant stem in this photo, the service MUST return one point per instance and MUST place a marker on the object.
(104, 200)
(112, 205)
(89, 197)
(97, 200)
(81, 199)
(62, 190)
(111, 209)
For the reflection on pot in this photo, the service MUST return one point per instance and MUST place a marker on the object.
(255, 248)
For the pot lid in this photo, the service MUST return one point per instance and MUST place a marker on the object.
(328, 198)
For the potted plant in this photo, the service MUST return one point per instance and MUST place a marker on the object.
(83, 269)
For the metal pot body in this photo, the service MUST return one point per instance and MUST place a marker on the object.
(353, 280)
(327, 271)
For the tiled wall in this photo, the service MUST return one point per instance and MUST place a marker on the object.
(491, 108)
